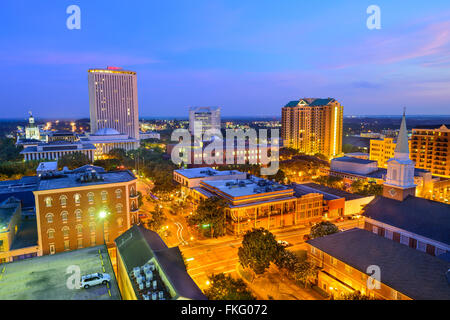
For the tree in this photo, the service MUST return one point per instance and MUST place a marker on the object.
(9, 151)
(210, 216)
(157, 220)
(286, 259)
(323, 228)
(304, 271)
(73, 160)
(259, 248)
(225, 287)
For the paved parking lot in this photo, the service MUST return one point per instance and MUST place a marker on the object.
(45, 278)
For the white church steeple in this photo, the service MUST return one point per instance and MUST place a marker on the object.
(400, 169)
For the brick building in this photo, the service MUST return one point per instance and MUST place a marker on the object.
(83, 208)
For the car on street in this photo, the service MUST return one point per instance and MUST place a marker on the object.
(94, 279)
(283, 243)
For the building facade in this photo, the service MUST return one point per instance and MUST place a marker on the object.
(430, 150)
(113, 100)
(84, 208)
(381, 150)
(57, 149)
(107, 139)
(313, 126)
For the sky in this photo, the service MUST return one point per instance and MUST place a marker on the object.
(248, 57)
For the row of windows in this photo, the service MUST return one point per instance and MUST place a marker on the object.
(77, 198)
(79, 214)
(79, 228)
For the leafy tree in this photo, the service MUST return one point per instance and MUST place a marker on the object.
(9, 151)
(259, 249)
(225, 287)
(157, 220)
(73, 160)
(118, 153)
(286, 259)
(330, 181)
(304, 271)
(356, 295)
(322, 229)
(211, 213)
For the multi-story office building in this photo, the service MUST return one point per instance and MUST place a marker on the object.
(107, 139)
(381, 150)
(313, 126)
(430, 150)
(56, 150)
(83, 208)
(203, 118)
(113, 100)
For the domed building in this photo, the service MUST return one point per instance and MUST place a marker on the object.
(106, 139)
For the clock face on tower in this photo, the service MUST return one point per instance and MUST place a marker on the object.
(392, 192)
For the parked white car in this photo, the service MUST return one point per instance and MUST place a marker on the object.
(284, 243)
(94, 279)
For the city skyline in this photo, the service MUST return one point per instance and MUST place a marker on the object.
(252, 56)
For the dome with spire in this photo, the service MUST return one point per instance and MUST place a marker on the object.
(107, 132)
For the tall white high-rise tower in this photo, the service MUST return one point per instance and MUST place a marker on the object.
(113, 100)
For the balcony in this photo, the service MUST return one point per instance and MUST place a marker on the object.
(134, 209)
(134, 196)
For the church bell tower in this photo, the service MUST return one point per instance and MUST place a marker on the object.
(399, 182)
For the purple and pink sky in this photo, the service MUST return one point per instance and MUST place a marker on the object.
(249, 57)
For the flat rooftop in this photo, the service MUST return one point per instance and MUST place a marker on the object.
(328, 193)
(26, 234)
(45, 278)
(354, 160)
(205, 172)
(247, 187)
(69, 180)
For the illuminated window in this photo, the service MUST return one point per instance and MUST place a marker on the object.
(64, 216)
(118, 193)
(92, 227)
(48, 202)
(65, 231)
(90, 197)
(79, 228)
(63, 200)
(78, 214)
(77, 198)
(49, 217)
(119, 208)
(91, 211)
(104, 195)
(51, 233)
(120, 222)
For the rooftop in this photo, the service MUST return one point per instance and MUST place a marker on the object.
(354, 160)
(310, 102)
(430, 219)
(205, 172)
(328, 193)
(26, 235)
(45, 278)
(247, 187)
(413, 273)
(72, 179)
(138, 246)
(8, 208)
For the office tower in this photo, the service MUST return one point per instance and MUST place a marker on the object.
(203, 118)
(113, 100)
(381, 150)
(313, 126)
(430, 149)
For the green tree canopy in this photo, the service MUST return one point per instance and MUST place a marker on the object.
(322, 229)
(210, 213)
(157, 220)
(225, 287)
(73, 160)
(259, 248)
